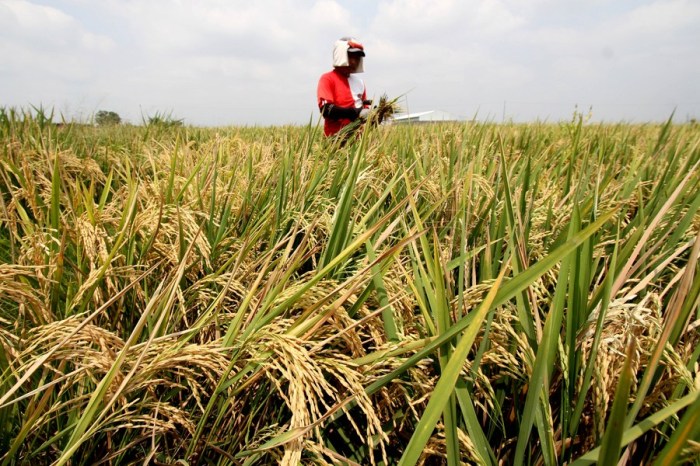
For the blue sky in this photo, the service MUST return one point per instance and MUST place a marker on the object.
(218, 62)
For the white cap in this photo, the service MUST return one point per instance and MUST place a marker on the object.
(346, 45)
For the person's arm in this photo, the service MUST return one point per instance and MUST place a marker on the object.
(335, 112)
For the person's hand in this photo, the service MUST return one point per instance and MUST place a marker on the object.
(364, 113)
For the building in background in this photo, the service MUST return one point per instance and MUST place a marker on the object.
(430, 116)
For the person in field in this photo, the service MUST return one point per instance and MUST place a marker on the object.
(342, 97)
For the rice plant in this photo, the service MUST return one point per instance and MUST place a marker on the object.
(452, 293)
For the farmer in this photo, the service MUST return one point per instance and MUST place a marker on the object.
(342, 97)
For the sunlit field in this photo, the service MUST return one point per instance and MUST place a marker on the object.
(479, 293)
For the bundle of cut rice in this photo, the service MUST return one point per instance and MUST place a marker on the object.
(384, 110)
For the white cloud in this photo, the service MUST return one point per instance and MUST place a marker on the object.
(236, 62)
(46, 28)
(443, 21)
(46, 56)
(268, 30)
(662, 17)
(495, 17)
(26, 18)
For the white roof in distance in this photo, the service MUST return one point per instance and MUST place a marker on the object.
(430, 115)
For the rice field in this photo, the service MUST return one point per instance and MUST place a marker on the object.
(476, 293)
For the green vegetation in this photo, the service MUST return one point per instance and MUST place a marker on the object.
(164, 120)
(106, 117)
(472, 293)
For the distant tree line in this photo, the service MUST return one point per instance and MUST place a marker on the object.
(107, 118)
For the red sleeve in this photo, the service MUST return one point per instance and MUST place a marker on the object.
(325, 92)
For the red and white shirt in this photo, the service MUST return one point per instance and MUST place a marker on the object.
(340, 90)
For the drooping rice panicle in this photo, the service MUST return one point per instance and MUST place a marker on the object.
(447, 293)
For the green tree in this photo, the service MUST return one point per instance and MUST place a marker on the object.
(104, 117)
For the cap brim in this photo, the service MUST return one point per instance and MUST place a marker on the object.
(357, 51)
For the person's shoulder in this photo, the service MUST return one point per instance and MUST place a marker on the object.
(331, 78)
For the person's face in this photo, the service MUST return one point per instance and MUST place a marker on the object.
(353, 61)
